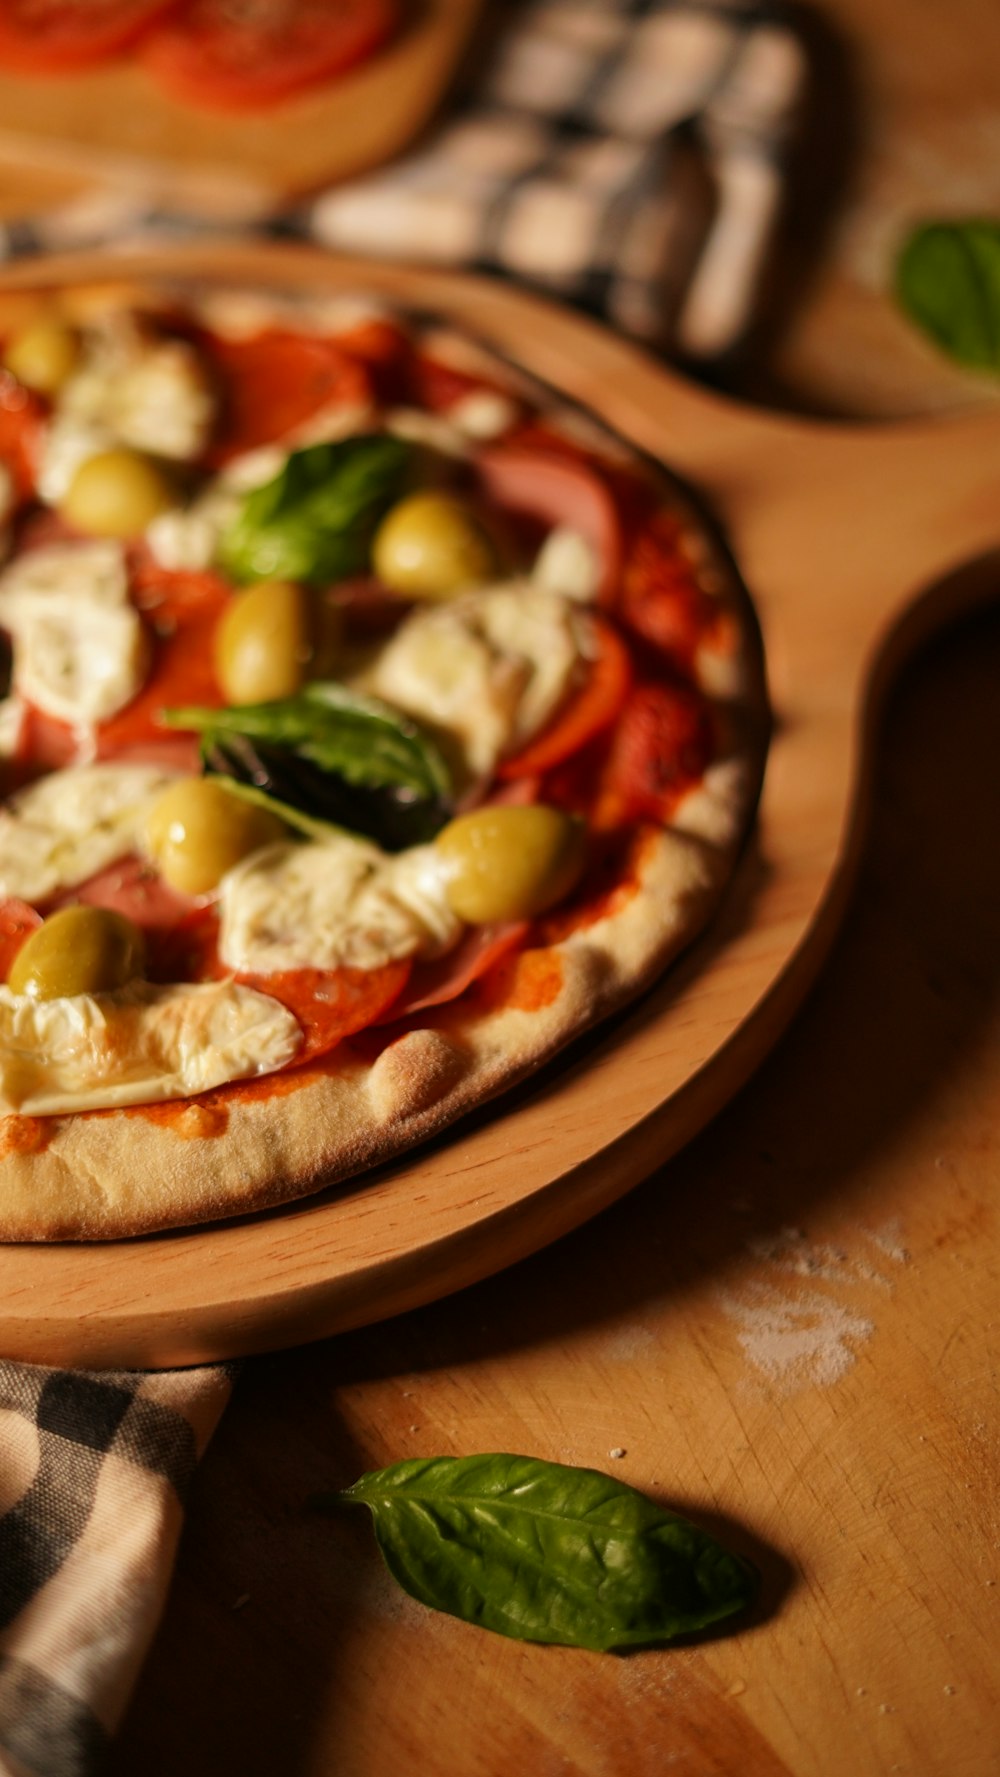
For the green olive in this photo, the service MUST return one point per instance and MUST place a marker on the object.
(197, 830)
(271, 639)
(430, 546)
(509, 862)
(43, 355)
(117, 493)
(78, 950)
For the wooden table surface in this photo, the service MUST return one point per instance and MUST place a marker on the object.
(790, 1331)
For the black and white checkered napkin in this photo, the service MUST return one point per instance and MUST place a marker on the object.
(627, 155)
(93, 1472)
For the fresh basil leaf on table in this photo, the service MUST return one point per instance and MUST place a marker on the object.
(543, 1552)
(948, 281)
(314, 520)
(329, 757)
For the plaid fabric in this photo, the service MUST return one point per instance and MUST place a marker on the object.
(627, 155)
(93, 1472)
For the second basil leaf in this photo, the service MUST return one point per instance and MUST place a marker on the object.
(543, 1552)
(948, 281)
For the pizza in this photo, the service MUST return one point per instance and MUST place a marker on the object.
(373, 723)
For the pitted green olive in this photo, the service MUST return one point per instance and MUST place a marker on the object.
(117, 493)
(510, 863)
(271, 639)
(43, 355)
(78, 950)
(197, 830)
(430, 546)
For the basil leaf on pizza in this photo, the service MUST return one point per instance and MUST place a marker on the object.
(337, 801)
(543, 1552)
(313, 521)
(334, 755)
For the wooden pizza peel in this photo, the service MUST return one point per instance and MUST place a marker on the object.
(855, 542)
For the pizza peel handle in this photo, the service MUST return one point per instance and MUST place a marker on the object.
(853, 542)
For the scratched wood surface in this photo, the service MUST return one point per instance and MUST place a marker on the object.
(790, 1331)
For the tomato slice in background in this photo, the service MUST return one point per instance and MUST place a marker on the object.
(17, 922)
(593, 708)
(53, 36)
(242, 58)
(275, 380)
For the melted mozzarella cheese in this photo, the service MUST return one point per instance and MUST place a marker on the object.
(488, 669)
(81, 651)
(63, 829)
(567, 563)
(138, 1046)
(334, 903)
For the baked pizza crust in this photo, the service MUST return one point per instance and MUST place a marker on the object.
(110, 1174)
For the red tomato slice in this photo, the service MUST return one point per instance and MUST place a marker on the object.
(661, 598)
(275, 380)
(17, 922)
(595, 706)
(240, 58)
(558, 490)
(50, 36)
(661, 749)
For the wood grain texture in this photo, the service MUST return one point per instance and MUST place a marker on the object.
(850, 540)
(790, 1330)
(114, 125)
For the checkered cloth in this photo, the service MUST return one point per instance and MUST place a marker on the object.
(627, 155)
(93, 1472)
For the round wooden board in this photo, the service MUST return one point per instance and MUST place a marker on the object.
(852, 541)
(114, 126)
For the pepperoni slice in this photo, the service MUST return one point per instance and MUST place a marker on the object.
(276, 380)
(60, 35)
(329, 1003)
(239, 58)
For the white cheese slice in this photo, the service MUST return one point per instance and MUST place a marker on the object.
(334, 903)
(67, 826)
(138, 1046)
(81, 650)
(488, 669)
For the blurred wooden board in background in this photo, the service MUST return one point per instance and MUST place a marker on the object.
(113, 125)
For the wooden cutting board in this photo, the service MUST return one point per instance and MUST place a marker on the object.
(114, 126)
(854, 542)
